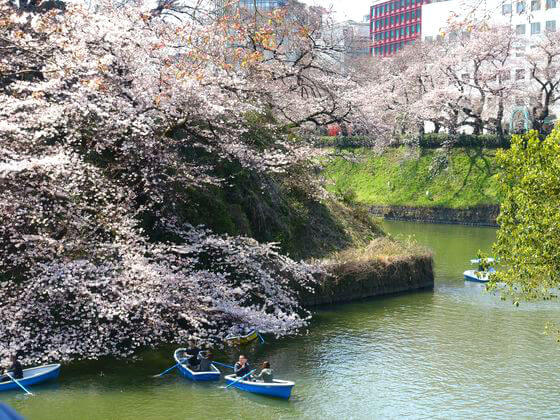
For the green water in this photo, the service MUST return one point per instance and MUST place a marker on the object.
(454, 352)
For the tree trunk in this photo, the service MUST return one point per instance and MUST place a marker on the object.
(499, 119)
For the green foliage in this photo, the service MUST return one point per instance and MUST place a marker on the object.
(460, 178)
(427, 141)
(528, 241)
(489, 141)
(344, 142)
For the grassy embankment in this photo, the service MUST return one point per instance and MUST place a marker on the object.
(458, 179)
(362, 260)
(288, 209)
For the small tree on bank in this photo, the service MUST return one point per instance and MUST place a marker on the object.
(528, 240)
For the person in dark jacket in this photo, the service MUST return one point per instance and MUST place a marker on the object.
(242, 367)
(205, 361)
(15, 370)
(192, 353)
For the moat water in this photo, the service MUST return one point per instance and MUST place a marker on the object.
(452, 353)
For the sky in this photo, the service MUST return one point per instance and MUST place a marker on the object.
(345, 9)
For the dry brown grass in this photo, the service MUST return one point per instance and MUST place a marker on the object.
(381, 249)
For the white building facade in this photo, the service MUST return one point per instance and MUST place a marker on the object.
(528, 17)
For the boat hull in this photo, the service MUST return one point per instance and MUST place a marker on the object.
(33, 376)
(277, 389)
(213, 375)
(470, 275)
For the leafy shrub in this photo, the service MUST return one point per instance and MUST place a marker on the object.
(489, 141)
(344, 142)
(427, 141)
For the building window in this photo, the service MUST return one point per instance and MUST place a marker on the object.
(519, 74)
(520, 29)
(262, 4)
(506, 9)
(504, 75)
(535, 4)
(417, 28)
(520, 7)
(550, 4)
(535, 28)
(550, 26)
(412, 29)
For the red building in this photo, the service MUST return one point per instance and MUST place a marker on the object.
(394, 24)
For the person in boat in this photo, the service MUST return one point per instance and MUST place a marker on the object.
(192, 353)
(205, 361)
(15, 370)
(242, 367)
(266, 373)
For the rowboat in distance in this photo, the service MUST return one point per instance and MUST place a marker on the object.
(242, 339)
(481, 275)
(33, 376)
(181, 358)
(277, 388)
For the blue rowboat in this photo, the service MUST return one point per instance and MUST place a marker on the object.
(277, 388)
(477, 276)
(33, 376)
(481, 275)
(181, 358)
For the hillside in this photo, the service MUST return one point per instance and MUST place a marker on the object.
(459, 178)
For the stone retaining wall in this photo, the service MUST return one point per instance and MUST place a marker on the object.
(476, 216)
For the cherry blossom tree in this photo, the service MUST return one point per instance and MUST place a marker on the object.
(543, 60)
(108, 115)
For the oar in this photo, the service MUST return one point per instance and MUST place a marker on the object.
(165, 371)
(260, 336)
(239, 379)
(221, 364)
(17, 382)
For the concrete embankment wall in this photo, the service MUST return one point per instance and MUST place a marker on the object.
(475, 216)
(382, 276)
